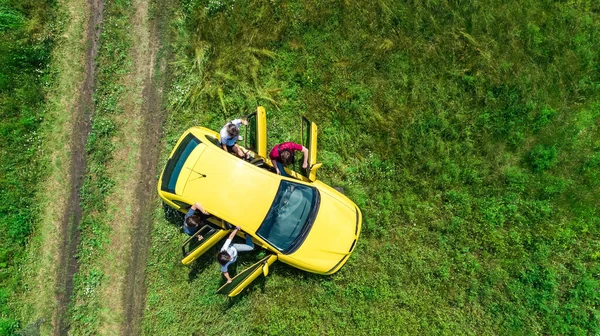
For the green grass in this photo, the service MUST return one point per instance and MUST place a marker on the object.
(468, 134)
(25, 44)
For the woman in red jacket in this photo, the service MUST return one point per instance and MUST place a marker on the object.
(283, 154)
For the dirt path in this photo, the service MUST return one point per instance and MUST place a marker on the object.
(118, 308)
(145, 62)
(71, 218)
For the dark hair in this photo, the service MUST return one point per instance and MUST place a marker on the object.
(285, 156)
(193, 221)
(233, 130)
(223, 257)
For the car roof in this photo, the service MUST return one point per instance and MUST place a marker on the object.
(227, 186)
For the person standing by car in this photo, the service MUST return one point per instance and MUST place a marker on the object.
(230, 134)
(228, 253)
(191, 221)
(283, 154)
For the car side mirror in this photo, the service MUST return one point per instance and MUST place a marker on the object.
(313, 171)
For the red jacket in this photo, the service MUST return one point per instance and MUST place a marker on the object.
(291, 146)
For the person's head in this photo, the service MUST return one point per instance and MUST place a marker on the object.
(223, 257)
(233, 130)
(193, 221)
(285, 156)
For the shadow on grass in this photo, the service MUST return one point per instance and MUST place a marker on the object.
(260, 283)
(206, 260)
(173, 216)
(245, 260)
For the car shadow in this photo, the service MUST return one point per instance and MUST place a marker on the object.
(245, 260)
(206, 260)
(276, 268)
(173, 216)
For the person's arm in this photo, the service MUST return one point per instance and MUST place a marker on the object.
(226, 274)
(305, 151)
(232, 234)
(274, 162)
(198, 206)
(237, 122)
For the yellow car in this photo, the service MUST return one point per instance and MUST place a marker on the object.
(300, 220)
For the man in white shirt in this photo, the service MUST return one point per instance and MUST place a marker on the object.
(230, 134)
(228, 253)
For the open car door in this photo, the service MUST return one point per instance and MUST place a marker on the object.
(242, 280)
(309, 140)
(256, 132)
(193, 248)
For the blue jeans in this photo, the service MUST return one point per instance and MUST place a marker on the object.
(249, 246)
(281, 170)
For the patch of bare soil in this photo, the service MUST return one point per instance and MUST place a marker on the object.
(71, 218)
(145, 60)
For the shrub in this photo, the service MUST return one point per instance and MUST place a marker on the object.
(542, 157)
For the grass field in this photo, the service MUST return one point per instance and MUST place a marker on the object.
(467, 133)
(25, 44)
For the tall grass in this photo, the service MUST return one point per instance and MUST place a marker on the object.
(25, 43)
(468, 133)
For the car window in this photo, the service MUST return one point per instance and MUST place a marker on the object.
(175, 163)
(290, 217)
(213, 140)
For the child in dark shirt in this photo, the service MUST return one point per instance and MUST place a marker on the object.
(191, 222)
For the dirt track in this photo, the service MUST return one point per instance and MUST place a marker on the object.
(145, 64)
(71, 217)
(136, 227)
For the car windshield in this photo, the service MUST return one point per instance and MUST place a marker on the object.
(290, 216)
(175, 163)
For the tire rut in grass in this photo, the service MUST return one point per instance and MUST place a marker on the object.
(68, 264)
(152, 120)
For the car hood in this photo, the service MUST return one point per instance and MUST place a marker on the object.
(332, 236)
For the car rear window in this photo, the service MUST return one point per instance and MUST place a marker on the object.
(175, 163)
